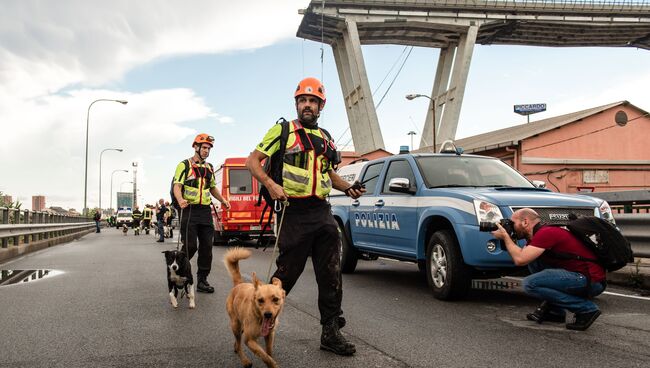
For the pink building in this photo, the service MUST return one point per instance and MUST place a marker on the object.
(38, 203)
(581, 151)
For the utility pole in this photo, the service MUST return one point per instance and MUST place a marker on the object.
(135, 184)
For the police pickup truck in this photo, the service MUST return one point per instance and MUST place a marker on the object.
(426, 208)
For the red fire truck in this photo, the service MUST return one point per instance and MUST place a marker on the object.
(238, 186)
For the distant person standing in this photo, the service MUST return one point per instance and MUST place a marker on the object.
(161, 210)
(193, 186)
(97, 217)
(169, 217)
(137, 217)
(147, 214)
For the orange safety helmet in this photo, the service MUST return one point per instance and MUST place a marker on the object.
(313, 87)
(203, 138)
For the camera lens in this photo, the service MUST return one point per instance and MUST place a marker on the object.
(486, 226)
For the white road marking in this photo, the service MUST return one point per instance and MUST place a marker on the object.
(626, 295)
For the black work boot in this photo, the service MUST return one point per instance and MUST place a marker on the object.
(203, 285)
(332, 340)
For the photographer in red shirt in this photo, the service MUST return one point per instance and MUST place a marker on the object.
(561, 284)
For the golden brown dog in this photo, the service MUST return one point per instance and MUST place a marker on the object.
(253, 309)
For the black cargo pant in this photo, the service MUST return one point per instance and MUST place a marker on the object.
(196, 223)
(309, 229)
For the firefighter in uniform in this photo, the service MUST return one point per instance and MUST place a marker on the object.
(147, 214)
(308, 227)
(193, 183)
(137, 217)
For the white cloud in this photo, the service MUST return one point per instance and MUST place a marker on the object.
(45, 143)
(46, 46)
(57, 57)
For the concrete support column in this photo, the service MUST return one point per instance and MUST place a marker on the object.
(456, 91)
(440, 83)
(360, 107)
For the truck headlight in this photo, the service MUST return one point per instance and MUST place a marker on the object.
(487, 212)
(606, 212)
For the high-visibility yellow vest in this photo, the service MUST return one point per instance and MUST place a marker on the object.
(305, 172)
(147, 213)
(197, 180)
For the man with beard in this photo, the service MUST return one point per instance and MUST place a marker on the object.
(308, 228)
(561, 283)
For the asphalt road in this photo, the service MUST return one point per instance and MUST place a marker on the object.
(108, 307)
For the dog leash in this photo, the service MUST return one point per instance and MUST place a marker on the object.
(278, 206)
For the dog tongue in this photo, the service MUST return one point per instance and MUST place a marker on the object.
(266, 326)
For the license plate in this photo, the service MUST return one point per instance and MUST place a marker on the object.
(256, 227)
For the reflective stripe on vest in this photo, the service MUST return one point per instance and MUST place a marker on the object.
(196, 187)
(309, 180)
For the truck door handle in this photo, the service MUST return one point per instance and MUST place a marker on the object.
(355, 203)
(379, 203)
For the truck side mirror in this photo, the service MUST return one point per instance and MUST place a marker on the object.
(400, 185)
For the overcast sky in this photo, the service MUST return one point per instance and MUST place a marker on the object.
(229, 68)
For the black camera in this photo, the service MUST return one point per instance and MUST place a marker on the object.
(507, 224)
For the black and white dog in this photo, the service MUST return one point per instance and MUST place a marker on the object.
(125, 229)
(179, 276)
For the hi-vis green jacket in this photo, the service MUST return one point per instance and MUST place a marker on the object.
(305, 172)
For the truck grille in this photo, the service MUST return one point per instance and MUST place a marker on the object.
(553, 215)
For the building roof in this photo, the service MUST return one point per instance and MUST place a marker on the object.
(512, 135)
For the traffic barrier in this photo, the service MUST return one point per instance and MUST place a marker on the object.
(22, 227)
(636, 228)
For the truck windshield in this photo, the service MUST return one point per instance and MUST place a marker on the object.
(241, 181)
(468, 171)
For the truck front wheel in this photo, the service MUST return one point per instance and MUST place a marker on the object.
(349, 255)
(447, 275)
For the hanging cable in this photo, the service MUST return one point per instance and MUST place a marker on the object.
(395, 78)
(381, 83)
(390, 70)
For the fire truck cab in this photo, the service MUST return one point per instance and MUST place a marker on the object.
(242, 221)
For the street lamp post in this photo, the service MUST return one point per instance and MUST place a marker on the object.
(433, 113)
(100, 172)
(114, 171)
(123, 102)
(411, 133)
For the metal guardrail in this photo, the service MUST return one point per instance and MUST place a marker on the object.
(23, 227)
(636, 228)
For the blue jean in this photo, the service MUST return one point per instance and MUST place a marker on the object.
(161, 230)
(97, 226)
(562, 289)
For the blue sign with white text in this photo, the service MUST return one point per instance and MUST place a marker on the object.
(530, 108)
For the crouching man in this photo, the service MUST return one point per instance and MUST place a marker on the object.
(562, 284)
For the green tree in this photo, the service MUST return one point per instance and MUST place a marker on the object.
(3, 203)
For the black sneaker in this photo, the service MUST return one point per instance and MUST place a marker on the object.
(203, 286)
(543, 314)
(583, 320)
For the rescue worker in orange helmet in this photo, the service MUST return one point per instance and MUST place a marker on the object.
(193, 184)
(308, 227)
